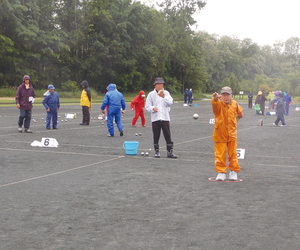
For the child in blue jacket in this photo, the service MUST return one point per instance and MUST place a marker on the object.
(52, 104)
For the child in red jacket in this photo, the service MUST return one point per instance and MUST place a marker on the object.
(138, 105)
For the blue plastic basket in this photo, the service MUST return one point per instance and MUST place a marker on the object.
(131, 147)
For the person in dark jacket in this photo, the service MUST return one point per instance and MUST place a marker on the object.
(185, 95)
(280, 111)
(250, 97)
(52, 104)
(24, 100)
(262, 102)
(115, 101)
(86, 103)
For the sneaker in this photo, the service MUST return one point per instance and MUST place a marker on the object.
(221, 177)
(121, 133)
(134, 126)
(232, 176)
(283, 125)
(27, 130)
(110, 135)
(275, 124)
(20, 129)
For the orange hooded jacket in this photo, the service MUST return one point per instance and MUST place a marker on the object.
(225, 120)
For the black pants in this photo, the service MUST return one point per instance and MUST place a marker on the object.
(86, 114)
(156, 128)
(250, 104)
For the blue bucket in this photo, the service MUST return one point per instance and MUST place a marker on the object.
(131, 147)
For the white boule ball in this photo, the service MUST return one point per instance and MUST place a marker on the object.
(195, 116)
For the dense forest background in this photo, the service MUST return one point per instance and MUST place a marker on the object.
(63, 42)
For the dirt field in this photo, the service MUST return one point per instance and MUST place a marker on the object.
(88, 194)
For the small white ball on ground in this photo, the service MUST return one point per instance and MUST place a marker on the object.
(142, 154)
(140, 134)
(102, 123)
(42, 118)
(136, 134)
(66, 120)
(147, 154)
(195, 116)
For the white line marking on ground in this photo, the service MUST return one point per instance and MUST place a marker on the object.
(60, 172)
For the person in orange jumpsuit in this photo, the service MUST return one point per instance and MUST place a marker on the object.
(138, 105)
(227, 113)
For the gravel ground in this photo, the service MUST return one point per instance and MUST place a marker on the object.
(88, 194)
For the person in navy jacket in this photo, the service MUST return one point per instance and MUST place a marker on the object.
(52, 104)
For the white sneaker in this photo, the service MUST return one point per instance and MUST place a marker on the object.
(275, 124)
(20, 129)
(283, 125)
(232, 176)
(221, 177)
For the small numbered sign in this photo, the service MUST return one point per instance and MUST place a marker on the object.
(212, 121)
(240, 153)
(49, 142)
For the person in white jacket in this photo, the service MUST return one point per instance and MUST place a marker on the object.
(158, 103)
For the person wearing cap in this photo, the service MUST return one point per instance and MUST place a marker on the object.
(115, 101)
(52, 104)
(191, 97)
(86, 103)
(138, 105)
(158, 103)
(280, 111)
(227, 112)
(24, 100)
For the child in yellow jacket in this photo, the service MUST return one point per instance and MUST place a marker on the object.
(227, 113)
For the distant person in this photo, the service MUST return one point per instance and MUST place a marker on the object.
(270, 97)
(24, 100)
(52, 104)
(288, 101)
(258, 100)
(158, 103)
(280, 111)
(250, 97)
(138, 105)
(185, 95)
(115, 101)
(191, 97)
(86, 103)
(262, 102)
(227, 112)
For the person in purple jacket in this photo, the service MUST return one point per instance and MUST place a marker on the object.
(24, 100)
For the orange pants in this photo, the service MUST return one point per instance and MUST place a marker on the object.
(220, 157)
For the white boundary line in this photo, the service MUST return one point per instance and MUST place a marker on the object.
(60, 172)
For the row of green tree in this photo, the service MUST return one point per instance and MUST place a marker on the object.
(63, 42)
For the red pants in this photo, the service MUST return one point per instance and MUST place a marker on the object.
(137, 115)
(220, 157)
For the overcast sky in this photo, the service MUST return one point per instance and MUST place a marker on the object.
(264, 21)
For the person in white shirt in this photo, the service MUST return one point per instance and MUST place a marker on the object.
(158, 103)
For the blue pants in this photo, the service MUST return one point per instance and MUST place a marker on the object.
(280, 117)
(110, 120)
(24, 114)
(51, 115)
(287, 109)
